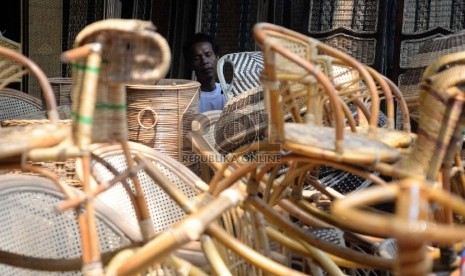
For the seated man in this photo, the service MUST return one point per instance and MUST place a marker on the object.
(201, 54)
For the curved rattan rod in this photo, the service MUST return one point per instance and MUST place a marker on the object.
(47, 90)
(260, 37)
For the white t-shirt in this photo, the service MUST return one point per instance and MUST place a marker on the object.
(213, 100)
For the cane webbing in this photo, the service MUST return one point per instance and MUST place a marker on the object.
(31, 226)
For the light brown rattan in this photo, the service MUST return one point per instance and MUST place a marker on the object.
(242, 121)
(160, 115)
(146, 57)
(202, 138)
(16, 141)
(285, 64)
(47, 242)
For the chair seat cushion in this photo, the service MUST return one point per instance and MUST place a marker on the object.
(319, 142)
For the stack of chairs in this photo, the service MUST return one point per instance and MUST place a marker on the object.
(265, 208)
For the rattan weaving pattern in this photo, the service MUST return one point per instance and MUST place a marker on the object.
(409, 48)
(15, 104)
(421, 16)
(359, 16)
(159, 116)
(242, 121)
(163, 210)
(247, 67)
(62, 89)
(45, 39)
(362, 49)
(41, 231)
(230, 22)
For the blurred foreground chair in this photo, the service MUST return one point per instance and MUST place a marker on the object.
(425, 177)
(146, 57)
(38, 240)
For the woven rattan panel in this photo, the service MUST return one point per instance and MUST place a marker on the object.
(424, 20)
(13, 45)
(164, 211)
(29, 214)
(423, 15)
(45, 38)
(353, 26)
(358, 16)
(231, 23)
(430, 51)
(421, 22)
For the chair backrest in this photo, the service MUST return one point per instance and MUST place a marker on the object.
(132, 52)
(163, 210)
(15, 65)
(15, 104)
(322, 57)
(32, 227)
(439, 129)
(246, 70)
(242, 121)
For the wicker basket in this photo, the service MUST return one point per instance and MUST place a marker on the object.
(160, 116)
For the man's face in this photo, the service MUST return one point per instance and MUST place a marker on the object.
(204, 60)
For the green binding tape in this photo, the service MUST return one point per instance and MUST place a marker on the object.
(78, 67)
(103, 105)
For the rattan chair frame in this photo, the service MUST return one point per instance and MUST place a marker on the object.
(88, 57)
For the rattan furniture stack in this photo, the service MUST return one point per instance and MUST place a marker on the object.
(266, 208)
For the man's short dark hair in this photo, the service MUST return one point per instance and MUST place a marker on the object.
(196, 38)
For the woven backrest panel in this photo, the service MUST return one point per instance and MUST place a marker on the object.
(159, 116)
(354, 27)
(247, 67)
(362, 49)
(13, 45)
(430, 50)
(423, 15)
(163, 210)
(242, 121)
(30, 224)
(62, 89)
(15, 104)
(44, 39)
(230, 22)
(358, 16)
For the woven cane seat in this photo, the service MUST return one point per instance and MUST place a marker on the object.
(300, 138)
(246, 67)
(45, 239)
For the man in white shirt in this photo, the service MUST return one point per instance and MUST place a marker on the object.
(201, 54)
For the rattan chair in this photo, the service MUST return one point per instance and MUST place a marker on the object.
(288, 78)
(246, 69)
(97, 85)
(16, 141)
(38, 240)
(441, 123)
